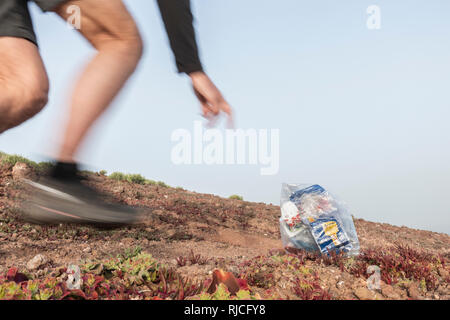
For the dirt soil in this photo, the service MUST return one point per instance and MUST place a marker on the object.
(234, 235)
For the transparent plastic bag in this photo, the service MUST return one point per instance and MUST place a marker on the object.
(314, 220)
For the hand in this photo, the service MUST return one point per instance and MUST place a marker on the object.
(211, 99)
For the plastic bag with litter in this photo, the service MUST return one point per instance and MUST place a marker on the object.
(314, 220)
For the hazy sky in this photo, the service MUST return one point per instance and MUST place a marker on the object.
(362, 112)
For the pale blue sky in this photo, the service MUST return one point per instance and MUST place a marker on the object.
(362, 112)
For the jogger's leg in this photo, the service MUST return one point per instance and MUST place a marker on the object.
(109, 27)
(23, 82)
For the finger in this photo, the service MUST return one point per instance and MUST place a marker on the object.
(205, 109)
(209, 100)
(225, 107)
(210, 118)
(212, 102)
(213, 107)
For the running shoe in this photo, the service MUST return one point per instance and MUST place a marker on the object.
(63, 197)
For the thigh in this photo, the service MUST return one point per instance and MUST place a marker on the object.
(21, 66)
(102, 20)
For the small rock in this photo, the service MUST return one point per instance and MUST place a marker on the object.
(442, 290)
(389, 292)
(347, 277)
(443, 273)
(402, 293)
(22, 170)
(87, 250)
(413, 292)
(233, 269)
(340, 284)
(363, 293)
(36, 262)
(334, 292)
(357, 283)
(436, 296)
(127, 241)
(171, 233)
(40, 273)
(119, 189)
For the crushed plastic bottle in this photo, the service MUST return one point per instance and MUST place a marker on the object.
(312, 219)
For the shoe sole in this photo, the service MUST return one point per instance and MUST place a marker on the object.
(45, 206)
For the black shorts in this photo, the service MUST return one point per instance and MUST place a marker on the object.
(15, 19)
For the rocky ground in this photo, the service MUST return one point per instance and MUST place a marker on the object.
(184, 236)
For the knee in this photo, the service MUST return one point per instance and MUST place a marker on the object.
(132, 48)
(135, 45)
(34, 99)
(128, 45)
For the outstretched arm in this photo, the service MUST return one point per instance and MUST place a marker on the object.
(178, 20)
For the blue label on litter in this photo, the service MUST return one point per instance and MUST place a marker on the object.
(329, 235)
(312, 189)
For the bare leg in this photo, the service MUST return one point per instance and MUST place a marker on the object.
(109, 27)
(23, 82)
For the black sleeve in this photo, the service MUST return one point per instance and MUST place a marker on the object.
(178, 20)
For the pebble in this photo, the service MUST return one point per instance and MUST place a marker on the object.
(443, 273)
(36, 262)
(87, 250)
(363, 293)
(119, 189)
(413, 292)
(389, 292)
(441, 290)
(22, 170)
